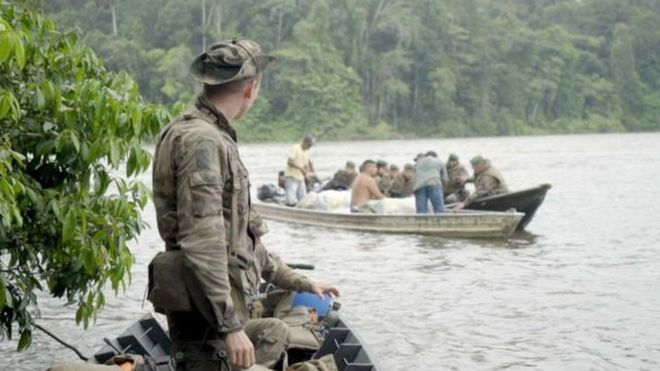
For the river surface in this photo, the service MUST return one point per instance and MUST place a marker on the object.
(581, 291)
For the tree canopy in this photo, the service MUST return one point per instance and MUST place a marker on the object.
(66, 212)
(401, 68)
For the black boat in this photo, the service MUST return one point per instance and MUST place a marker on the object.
(526, 201)
(147, 337)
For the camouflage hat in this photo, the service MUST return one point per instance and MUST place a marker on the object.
(408, 167)
(453, 157)
(477, 159)
(381, 163)
(230, 60)
(350, 164)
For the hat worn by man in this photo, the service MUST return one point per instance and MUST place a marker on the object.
(477, 159)
(453, 157)
(230, 60)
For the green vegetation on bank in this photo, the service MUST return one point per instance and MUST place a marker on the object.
(392, 68)
(66, 212)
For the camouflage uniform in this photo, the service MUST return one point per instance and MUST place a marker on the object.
(201, 194)
(401, 187)
(488, 182)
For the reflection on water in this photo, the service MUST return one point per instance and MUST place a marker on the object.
(577, 291)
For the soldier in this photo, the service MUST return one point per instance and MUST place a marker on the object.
(455, 189)
(402, 185)
(488, 181)
(201, 195)
(383, 178)
(342, 179)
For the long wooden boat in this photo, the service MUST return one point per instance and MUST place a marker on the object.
(461, 224)
(526, 201)
(147, 337)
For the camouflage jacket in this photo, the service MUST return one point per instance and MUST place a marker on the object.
(201, 194)
(401, 187)
(455, 174)
(489, 182)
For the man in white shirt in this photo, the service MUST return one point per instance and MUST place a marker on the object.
(298, 168)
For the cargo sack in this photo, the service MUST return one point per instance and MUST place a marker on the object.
(325, 363)
(167, 288)
(301, 329)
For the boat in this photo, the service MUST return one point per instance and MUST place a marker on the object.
(460, 224)
(526, 201)
(146, 337)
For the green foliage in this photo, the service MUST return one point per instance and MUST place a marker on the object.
(66, 128)
(373, 68)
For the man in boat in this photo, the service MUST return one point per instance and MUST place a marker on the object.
(299, 168)
(394, 171)
(207, 280)
(383, 178)
(457, 174)
(430, 175)
(343, 179)
(402, 185)
(488, 181)
(365, 188)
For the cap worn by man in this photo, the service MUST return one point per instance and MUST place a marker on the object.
(477, 159)
(453, 157)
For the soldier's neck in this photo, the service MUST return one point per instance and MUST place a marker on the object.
(229, 106)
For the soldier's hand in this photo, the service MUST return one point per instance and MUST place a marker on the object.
(240, 349)
(321, 290)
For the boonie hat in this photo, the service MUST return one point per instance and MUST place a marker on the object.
(230, 60)
(477, 159)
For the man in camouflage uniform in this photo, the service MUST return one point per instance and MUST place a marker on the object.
(402, 185)
(201, 194)
(383, 178)
(455, 190)
(488, 181)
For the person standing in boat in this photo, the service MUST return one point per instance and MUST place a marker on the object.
(364, 188)
(207, 280)
(488, 181)
(402, 185)
(299, 168)
(430, 175)
(455, 190)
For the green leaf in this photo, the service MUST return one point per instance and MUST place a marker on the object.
(75, 141)
(25, 340)
(68, 226)
(114, 154)
(41, 100)
(3, 292)
(5, 47)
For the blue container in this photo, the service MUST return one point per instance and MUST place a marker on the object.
(309, 300)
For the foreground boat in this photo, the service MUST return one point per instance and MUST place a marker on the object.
(147, 337)
(526, 201)
(462, 224)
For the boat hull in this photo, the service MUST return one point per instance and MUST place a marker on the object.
(465, 224)
(526, 201)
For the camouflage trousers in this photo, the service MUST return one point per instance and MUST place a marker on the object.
(196, 347)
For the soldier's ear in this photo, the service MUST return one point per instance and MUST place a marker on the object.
(251, 89)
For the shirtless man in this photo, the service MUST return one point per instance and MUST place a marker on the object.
(364, 187)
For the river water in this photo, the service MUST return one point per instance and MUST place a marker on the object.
(579, 292)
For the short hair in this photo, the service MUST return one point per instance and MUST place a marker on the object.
(232, 87)
(431, 153)
(309, 139)
(367, 163)
(393, 167)
(350, 164)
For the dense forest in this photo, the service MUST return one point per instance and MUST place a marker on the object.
(399, 68)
